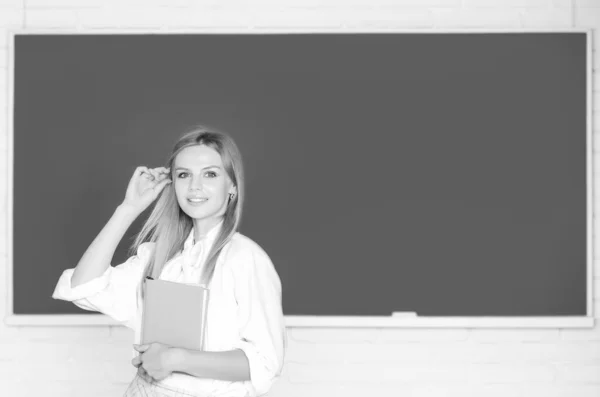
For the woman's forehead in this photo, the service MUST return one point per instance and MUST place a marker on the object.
(198, 156)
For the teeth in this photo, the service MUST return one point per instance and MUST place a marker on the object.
(197, 200)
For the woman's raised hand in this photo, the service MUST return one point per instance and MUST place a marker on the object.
(145, 186)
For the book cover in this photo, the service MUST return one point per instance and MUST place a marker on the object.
(174, 314)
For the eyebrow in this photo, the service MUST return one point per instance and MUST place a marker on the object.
(205, 168)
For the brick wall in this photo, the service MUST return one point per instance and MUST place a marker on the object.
(94, 360)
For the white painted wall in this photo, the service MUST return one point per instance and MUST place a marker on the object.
(95, 360)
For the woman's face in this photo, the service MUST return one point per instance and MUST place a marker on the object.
(202, 185)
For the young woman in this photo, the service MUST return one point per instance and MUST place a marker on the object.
(190, 237)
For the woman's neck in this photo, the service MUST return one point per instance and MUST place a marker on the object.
(202, 228)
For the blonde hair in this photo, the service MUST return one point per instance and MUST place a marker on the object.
(168, 226)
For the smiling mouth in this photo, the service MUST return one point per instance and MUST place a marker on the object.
(197, 200)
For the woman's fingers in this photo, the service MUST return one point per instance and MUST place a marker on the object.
(155, 172)
(143, 172)
(137, 361)
(161, 174)
(155, 178)
(140, 170)
(152, 174)
(158, 173)
(162, 171)
(141, 348)
(160, 185)
(142, 371)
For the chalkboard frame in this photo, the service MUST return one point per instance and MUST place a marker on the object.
(400, 320)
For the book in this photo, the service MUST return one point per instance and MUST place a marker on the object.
(174, 314)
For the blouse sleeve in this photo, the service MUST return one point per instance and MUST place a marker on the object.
(261, 325)
(114, 293)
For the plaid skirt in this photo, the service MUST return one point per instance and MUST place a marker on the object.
(145, 386)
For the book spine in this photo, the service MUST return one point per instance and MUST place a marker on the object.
(204, 316)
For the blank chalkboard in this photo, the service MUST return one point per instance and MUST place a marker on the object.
(441, 173)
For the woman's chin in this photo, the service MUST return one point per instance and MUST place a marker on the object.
(200, 213)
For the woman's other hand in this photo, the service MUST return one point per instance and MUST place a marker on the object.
(153, 360)
(144, 187)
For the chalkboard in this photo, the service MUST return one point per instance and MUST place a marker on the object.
(441, 173)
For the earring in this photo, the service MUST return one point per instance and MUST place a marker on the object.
(231, 196)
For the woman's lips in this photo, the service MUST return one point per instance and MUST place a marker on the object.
(196, 201)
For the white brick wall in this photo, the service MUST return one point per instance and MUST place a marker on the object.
(94, 360)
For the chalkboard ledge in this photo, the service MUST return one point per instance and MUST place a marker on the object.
(344, 321)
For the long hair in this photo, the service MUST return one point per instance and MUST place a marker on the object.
(168, 226)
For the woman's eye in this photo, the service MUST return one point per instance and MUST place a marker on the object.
(209, 174)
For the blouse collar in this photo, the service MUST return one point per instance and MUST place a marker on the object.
(209, 237)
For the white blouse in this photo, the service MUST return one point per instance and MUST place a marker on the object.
(244, 310)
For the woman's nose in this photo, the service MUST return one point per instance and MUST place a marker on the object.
(196, 184)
